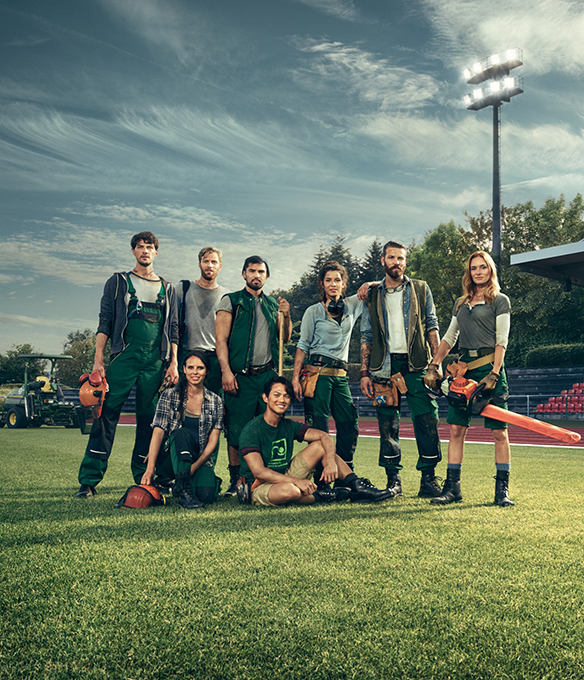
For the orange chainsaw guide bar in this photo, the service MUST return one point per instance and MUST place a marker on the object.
(546, 429)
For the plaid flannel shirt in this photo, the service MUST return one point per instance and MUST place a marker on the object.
(167, 415)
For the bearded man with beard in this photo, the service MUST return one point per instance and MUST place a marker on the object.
(399, 337)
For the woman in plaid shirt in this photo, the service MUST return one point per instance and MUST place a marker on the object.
(186, 429)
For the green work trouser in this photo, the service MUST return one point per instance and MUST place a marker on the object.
(424, 410)
(246, 404)
(332, 394)
(137, 364)
(180, 452)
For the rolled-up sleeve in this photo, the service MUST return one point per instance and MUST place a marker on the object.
(307, 331)
(366, 333)
(163, 411)
(431, 317)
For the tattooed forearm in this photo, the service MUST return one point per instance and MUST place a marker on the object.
(434, 341)
(365, 357)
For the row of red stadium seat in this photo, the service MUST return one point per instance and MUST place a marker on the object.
(560, 408)
(571, 399)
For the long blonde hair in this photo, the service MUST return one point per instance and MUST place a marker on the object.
(469, 288)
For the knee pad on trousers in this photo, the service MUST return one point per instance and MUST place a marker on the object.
(427, 438)
(317, 422)
(102, 434)
(186, 447)
(206, 494)
(143, 437)
(389, 448)
(347, 434)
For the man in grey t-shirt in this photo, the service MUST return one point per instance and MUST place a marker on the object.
(197, 309)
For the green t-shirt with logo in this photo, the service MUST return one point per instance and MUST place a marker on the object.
(275, 444)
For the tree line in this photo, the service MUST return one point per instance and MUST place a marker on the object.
(543, 313)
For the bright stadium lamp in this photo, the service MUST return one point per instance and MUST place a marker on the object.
(503, 86)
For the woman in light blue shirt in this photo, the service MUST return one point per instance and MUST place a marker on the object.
(325, 334)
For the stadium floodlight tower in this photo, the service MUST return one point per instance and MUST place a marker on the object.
(503, 86)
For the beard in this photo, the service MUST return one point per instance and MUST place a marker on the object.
(208, 277)
(394, 272)
(255, 285)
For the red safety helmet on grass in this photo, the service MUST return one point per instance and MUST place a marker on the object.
(141, 496)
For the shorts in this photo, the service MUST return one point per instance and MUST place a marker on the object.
(297, 468)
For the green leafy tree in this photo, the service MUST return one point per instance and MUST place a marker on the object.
(81, 346)
(12, 368)
(370, 267)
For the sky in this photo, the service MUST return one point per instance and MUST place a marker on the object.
(260, 127)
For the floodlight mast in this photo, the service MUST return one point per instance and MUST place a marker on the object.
(496, 68)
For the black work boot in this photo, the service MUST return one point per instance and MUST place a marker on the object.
(86, 491)
(502, 489)
(243, 491)
(362, 491)
(394, 482)
(451, 489)
(429, 487)
(233, 477)
(183, 491)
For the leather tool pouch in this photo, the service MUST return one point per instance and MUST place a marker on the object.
(308, 378)
(387, 393)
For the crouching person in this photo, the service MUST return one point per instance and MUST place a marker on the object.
(276, 477)
(186, 429)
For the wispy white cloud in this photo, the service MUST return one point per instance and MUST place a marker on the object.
(374, 80)
(342, 9)
(466, 143)
(161, 22)
(549, 31)
(171, 147)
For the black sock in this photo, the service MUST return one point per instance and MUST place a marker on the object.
(350, 479)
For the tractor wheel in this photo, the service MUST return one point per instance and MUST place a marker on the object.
(16, 418)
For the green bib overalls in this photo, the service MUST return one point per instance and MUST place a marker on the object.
(139, 364)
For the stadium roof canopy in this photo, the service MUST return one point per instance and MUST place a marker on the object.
(562, 263)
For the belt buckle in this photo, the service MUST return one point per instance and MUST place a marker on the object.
(473, 353)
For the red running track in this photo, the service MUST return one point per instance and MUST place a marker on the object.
(477, 434)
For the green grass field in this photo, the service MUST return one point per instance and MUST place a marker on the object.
(397, 590)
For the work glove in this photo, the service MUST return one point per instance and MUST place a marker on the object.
(490, 381)
(432, 376)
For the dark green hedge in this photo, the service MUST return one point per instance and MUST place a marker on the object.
(556, 355)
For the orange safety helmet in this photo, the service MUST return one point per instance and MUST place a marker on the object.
(141, 496)
(92, 391)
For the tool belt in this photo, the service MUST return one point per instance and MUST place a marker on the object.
(310, 372)
(326, 362)
(386, 392)
(457, 369)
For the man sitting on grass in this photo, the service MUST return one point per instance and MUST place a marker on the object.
(266, 445)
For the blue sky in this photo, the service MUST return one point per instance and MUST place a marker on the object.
(259, 126)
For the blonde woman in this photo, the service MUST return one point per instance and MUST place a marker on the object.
(480, 321)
